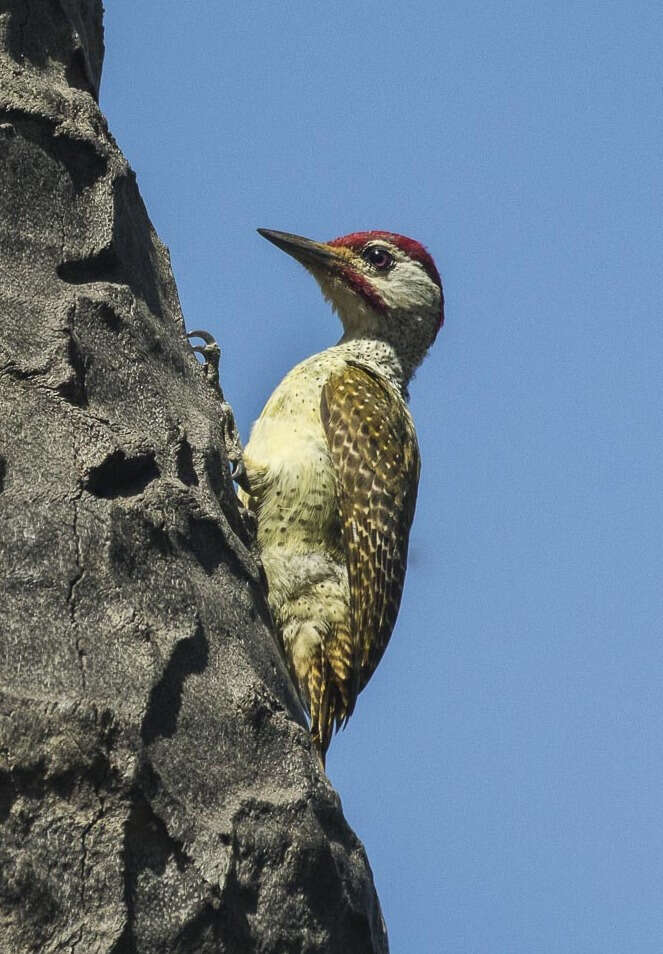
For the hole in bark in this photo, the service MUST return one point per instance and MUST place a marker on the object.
(214, 471)
(122, 476)
(128, 258)
(207, 543)
(189, 656)
(113, 319)
(77, 74)
(103, 267)
(184, 462)
(7, 795)
(74, 388)
(3, 473)
(79, 159)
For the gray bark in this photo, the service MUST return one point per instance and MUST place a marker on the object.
(158, 790)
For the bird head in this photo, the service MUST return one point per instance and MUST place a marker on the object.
(383, 286)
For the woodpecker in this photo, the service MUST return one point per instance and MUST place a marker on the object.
(332, 468)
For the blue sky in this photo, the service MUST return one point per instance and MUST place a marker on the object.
(504, 767)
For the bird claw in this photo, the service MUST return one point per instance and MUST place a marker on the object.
(234, 449)
(233, 446)
(205, 335)
(211, 352)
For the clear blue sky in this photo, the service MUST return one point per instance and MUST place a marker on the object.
(504, 768)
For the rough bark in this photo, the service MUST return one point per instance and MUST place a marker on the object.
(158, 791)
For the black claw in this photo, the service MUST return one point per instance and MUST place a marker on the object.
(205, 335)
(211, 352)
(237, 470)
(240, 477)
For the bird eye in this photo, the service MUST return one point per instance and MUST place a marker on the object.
(378, 257)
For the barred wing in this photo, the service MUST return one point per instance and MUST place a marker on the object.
(374, 451)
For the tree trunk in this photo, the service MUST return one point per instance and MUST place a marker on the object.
(158, 791)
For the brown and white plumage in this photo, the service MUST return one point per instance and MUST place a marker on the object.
(373, 447)
(333, 468)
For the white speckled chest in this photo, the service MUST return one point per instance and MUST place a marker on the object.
(288, 463)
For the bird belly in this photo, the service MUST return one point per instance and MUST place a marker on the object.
(293, 492)
(289, 468)
(299, 534)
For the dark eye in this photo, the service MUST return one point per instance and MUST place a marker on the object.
(378, 257)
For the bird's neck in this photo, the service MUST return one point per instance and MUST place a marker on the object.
(378, 355)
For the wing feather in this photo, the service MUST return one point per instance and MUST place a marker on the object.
(373, 447)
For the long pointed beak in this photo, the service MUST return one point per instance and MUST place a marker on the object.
(306, 250)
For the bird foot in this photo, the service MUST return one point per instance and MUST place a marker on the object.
(233, 445)
(212, 355)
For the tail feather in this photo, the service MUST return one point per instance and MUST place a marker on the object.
(327, 683)
(328, 705)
